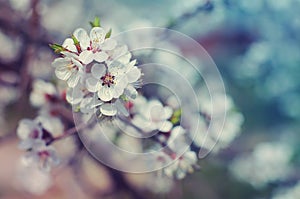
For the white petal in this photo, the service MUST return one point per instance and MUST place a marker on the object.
(140, 122)
(121, 50)
(155, 110)
(124, 59)
(190, 157)
(61, 62)
(121, 108)
(168, 111)
(86, 56)
(76, 63)
(108, 109)
(92, 84)
(109, 44)
(176, 132)
(133, 75)
(83, 38)
(68, 54)
(97, 35)
(117, 91)
(100, 56)
(169, 171)
(25, 127)
(74, 96)
(180, 174)
(122, 81)
(166, 126)
(63, 73)
(116, 68)
(69, 44)
(86, 105)
(73, 80)
(98, 70)
(26, 144)
(51, 124)
(130, 65)
(131, 91)
(54, 159)
(105, 94)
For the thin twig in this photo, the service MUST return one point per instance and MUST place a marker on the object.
(74, 130)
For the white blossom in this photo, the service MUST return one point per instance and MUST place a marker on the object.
(183, 165)
(92, 46)
(29, 132)
(184, 159)
(31, 178)
(111, 82)
(268, 162)
(35, 136)
(152, 115)
(42, 93)
(69, 69)
(119, 54)
(42, 155)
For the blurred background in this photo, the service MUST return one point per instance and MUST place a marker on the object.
(256, 46)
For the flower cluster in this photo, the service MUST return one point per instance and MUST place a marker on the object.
(163, 123)
(36, 135)
(100, 78)
(99, 72)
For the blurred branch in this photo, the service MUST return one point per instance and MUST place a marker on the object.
(13, 24)
(28, 30)
(63, 111)
(207, 7)
(74, 130)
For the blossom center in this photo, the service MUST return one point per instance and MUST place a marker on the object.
(34, 134)
(108, 79)
(44, 154)
(71, 66)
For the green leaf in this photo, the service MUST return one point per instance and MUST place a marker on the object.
(57, 48)
(124, 98)
(96, 22)
(175, 119)
(108, 34)
(76, 42)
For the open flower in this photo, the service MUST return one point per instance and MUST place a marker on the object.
(36, 135)
(120, 54)
(43, 93)
(40, 130)
(152, 115)
(69, 69)
(31, 178)
(42, 155)
(183, 165)
(29, 132)
(185, 160)
(110, 82)
(93, 46)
